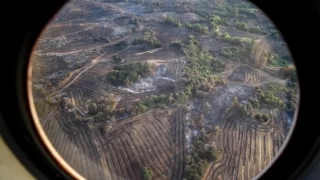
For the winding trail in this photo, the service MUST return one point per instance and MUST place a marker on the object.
(94, 61)
(85, 47)
(59, 36)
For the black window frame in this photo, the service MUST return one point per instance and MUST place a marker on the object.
(298, 22)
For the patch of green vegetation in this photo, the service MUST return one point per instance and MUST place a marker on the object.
(275, 60)
(136, 21)
(200, 67)
(116, 59)
(43, 104)
(255, 29)
(104, 111)
(233, 40)
(213, 26)
(188, 25)
(151, 102)
(262, 117)
(242, 26)
(199, 157)
(172, 21)
(128, 73)
(290, 72)
(147, 173)
(149, 38)
(176, 44)
(235, 53)
(275, 34)
(121, 45)
(215, 19)
(200, 29)
(250, 13)
(272, 95)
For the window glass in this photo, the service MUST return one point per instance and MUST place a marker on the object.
(154, 89)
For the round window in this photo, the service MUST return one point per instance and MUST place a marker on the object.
(164, 89)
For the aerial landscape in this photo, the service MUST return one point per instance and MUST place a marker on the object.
(164, 89)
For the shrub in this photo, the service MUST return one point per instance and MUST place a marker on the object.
(216, 19)
(176, 44)
(93, 109)
(203, 20)
(225, 35)
(204, 30)
(216, 33)
(197, 27)
(172, 21)
(224, 22)
(242, 26)
(213, 26)
(188, 25)
(275, 33)
(272, 95)
(147, 173)
(122, 44)
(255, 29)
(128, 73)
(116, 59)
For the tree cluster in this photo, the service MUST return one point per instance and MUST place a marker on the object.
(172, 21)
(149, 38)
(200, 29)
(199, 157)
(136, 21)
(121, 45)
(272, 95)
(116, 59)
(201, 65)
(125, 75)
(147, 173)
(44, 103)
(152, 102)
(236, 54)
(262, 117)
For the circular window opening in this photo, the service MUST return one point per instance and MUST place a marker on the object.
(163, 90)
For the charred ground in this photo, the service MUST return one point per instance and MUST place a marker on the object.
(164, 89)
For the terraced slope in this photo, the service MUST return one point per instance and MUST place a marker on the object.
(248, 147)
(154, 139)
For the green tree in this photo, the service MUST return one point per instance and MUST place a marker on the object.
(225, 35)
(188, 25)
(207, 106)
(216, 33)
(147, 173)
(197, 27)
(204, 30)
(242, 26)
(93, 108)
(200, 122)
(235, 102)
(255, 29)
(116, 59)
(213, 26)
(170, 98)
(236, 12)
(224, 22)
(216, 19)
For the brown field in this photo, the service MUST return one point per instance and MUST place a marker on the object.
(248, 147)
(154, 139)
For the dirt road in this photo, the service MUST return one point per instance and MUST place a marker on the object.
(94, 61)
(86, 47)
